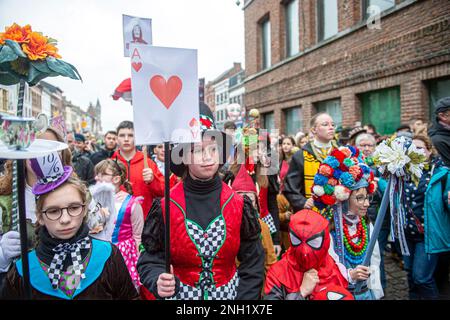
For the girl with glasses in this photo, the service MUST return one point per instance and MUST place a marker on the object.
(67, 263)
(342, 190)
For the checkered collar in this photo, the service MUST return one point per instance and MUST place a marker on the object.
(61, 251)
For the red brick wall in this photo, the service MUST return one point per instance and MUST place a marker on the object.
(412, 46)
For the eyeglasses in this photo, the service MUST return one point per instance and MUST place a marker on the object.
(361, 146)
(361, 199)
(104, 174)
(328, 124)
(73, 210)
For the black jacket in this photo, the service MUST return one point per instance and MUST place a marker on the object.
(440, 137)
(294, 182)
(83, 168)
(101, 155)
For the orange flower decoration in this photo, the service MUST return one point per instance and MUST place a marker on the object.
(38, 47)
(15, 33)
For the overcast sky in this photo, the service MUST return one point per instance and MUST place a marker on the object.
(89, 34)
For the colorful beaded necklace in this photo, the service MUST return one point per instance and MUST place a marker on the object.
(355, 252)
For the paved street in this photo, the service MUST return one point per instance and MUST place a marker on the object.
(397, 286)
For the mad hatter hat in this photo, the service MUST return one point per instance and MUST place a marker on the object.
(50, 173)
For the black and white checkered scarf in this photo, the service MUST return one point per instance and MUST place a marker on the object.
(60, 254)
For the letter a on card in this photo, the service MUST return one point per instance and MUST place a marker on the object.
(165, 94)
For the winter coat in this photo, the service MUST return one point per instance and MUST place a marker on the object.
(134, 174)
(437, 212)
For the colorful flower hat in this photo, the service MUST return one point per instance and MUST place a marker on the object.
(50, 173)
(341, 172)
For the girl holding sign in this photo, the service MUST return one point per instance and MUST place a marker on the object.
(210, 227)
(343, 188)
(67, 263)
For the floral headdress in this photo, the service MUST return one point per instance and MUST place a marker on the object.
(341, 172)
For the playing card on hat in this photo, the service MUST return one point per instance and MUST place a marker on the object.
(50, 173)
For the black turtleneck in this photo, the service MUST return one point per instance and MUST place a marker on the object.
(46, 244)
(202, 199)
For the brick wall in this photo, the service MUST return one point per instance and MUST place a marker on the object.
(411, 47)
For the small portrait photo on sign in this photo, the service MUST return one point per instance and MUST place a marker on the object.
(136, 31)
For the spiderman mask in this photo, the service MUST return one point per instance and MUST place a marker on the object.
(310, 240)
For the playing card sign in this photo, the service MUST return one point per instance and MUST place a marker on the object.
(165, 95)
(59, 123)
(136, 31)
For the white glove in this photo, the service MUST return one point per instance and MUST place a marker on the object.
(10, 245)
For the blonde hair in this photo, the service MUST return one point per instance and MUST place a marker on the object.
(117, 168)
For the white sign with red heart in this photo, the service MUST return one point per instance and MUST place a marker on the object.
(165, 94)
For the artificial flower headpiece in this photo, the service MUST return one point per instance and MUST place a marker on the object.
(341, 172)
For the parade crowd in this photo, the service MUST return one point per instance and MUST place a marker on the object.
(238, 230)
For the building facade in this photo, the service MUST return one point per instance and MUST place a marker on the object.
(48, 99)
(223, 91)
(363, 61)
(9, 99)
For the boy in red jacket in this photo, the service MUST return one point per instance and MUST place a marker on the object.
(147, 182)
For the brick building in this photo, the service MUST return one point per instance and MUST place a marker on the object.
(305, 56)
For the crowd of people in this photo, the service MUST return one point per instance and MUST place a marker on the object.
(238, 230)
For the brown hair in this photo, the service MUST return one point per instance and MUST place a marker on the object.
(283, 155)
(426, 140)
(118, 169)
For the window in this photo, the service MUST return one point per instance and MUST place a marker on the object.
(293, 117)
(381, 5)
(292, 28)
(4, 99)
(437, 89)
(327, 16)
(333, 108)
(266, 44)
(382, 109)
(269, 121)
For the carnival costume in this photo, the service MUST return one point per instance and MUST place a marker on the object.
(76, 268)
(340, 173)
(310, 241)
(210, 226)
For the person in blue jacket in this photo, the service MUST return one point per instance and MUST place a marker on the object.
(422, 223)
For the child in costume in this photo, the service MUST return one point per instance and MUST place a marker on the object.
(10, 239)
(126, 225)
(306, 271)
(245, 186)
(342, 189)
(67, 263)
(253, 153)
(210, 226)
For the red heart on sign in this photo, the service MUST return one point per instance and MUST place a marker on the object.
(168, 91)
(193, 122)
(136, 66)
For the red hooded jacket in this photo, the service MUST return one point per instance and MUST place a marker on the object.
(140, 188)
